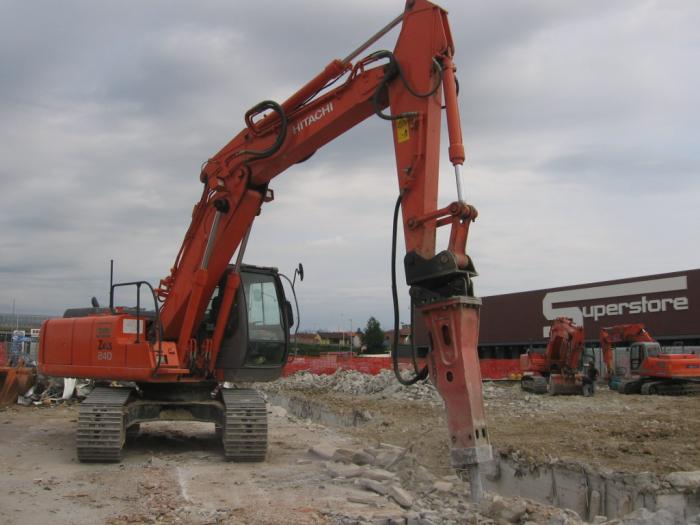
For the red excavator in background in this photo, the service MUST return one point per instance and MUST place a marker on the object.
(559, 370)
(17, 369)
(650, 371)
(220, 322)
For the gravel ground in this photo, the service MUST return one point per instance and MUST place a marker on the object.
(391, 467)
(174, 473)
(629, 433)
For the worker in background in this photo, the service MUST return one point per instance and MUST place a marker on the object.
(590, 376)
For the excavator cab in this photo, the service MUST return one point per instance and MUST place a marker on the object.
(256, 338)
(640, 351)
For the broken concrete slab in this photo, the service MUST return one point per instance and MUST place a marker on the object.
(401, 496)
(443, 486)
(423, 475)
(378, 474)
(362, 458)
(343, 455)
(277, 411)
(510, 511)
(386, 458)
(684, 480)
(339, 470)
(323, 450)
(372, 485)
(364, 500)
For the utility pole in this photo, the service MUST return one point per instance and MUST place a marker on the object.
(342, 330)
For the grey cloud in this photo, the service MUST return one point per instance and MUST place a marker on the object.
(653, 171)
(108, 110)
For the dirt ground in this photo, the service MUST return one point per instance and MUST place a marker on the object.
(630, 433)
(173, 473)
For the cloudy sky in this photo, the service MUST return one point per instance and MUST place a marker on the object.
(580, 120)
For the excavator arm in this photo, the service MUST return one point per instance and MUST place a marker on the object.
(622, 333)
(416, 81)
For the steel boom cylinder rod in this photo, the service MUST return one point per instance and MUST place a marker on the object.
(460, 182)
(241, 250)
(210, 240)
(379, 34)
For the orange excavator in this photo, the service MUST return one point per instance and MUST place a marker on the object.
(559, 370)
(213, 322)
(650, 371)
(16, 377)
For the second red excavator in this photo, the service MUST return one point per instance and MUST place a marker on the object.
(559, 370)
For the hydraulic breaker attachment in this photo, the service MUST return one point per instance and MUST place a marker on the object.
(453, 327)
(442, 290)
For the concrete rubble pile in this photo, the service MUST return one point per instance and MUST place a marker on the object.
(53, 390)
(383, 385)
(390, 487)
(395, 488)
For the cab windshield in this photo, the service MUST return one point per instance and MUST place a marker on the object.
(266, 335)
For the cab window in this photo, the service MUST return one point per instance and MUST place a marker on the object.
(266, 334)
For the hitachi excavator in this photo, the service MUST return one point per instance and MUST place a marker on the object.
(650, 371)
(215, 322)
(559, 370)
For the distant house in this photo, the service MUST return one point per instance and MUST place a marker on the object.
(404, 336)
(337, 338)
(308, 338)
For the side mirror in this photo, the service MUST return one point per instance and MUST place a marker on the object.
(289, 313)
(299, 270)
(94, 302)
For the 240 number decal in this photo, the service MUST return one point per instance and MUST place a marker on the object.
(104, 350)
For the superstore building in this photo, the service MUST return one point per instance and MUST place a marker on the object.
(668, 305)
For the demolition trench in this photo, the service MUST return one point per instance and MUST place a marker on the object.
(590, 490)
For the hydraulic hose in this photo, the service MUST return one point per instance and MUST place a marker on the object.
(274, 148)
(418, 375)
(394, 69)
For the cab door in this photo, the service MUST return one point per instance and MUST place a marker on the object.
(256, 339)
(637, 356)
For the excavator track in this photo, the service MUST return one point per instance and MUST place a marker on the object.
(663, 388)
(534, 384)
(101, 431)
(244, 432)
